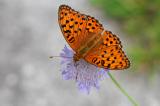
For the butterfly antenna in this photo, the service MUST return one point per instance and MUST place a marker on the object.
(51, 57)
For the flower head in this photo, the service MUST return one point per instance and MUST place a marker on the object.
(85, 74)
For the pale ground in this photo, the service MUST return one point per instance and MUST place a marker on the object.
(29, 34)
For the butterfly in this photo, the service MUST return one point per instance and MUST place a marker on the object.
(87, 37)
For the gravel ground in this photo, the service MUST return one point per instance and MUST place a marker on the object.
(29, 34)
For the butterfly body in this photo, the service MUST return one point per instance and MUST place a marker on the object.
(90, 41)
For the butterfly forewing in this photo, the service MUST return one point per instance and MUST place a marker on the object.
(77, 27)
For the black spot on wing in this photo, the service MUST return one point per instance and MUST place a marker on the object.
(94, 59)
(71, 40)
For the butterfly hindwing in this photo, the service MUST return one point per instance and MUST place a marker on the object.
(111, 57)
(110, 39)
(109, 54)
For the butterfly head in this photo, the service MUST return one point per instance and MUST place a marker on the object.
(76, 57)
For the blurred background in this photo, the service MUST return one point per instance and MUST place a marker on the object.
(29, 34)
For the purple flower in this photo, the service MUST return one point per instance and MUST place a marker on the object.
(85, 74)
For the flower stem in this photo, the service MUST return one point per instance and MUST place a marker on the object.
(134, 103)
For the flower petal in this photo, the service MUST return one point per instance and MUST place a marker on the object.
(85, 74)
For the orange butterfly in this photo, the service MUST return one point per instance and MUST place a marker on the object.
(90, 41)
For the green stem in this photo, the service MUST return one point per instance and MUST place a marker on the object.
(134, 103)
